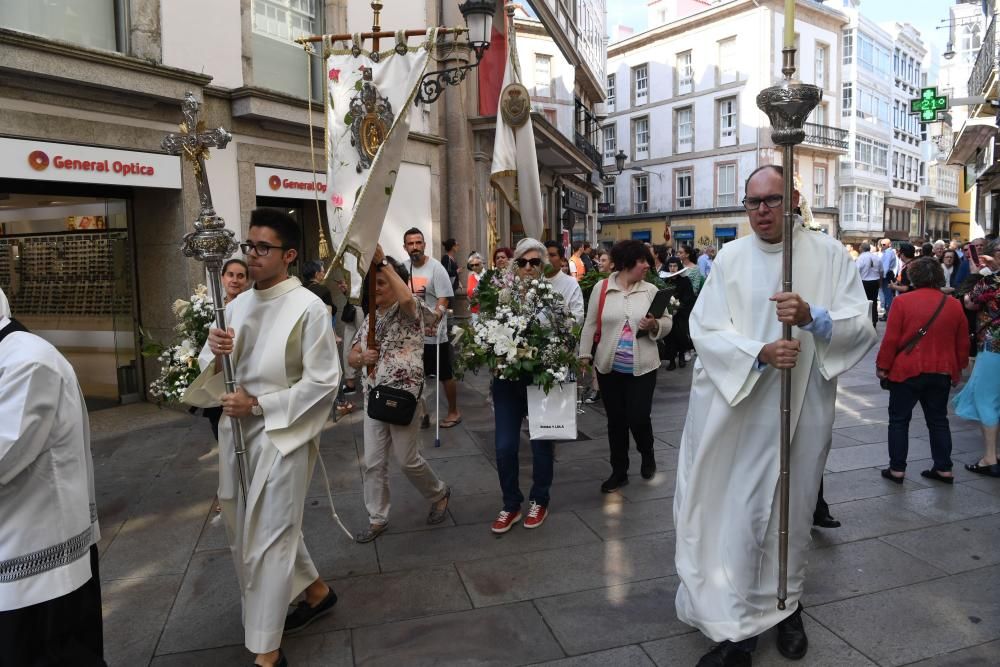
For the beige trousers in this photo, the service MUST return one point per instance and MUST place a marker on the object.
(404, 441)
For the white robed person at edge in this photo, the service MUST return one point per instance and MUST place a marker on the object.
(726, 502)
(287, 370)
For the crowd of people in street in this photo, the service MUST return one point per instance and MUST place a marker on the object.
(940, 304)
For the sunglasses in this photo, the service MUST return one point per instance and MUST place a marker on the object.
(534, 261)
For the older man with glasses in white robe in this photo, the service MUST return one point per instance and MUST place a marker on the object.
(726, 503)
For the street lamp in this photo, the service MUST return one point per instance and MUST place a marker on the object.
(478, 15)
(620, 158)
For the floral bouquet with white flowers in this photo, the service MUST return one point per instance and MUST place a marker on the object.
(179, 362)
(523, 331)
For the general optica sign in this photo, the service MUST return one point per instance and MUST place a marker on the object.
(72, 163)
(289, 183)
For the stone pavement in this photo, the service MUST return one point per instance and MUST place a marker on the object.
(913, 576)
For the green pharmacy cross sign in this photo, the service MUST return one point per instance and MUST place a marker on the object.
(928, 104)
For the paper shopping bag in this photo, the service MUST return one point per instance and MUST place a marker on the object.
(552, 416)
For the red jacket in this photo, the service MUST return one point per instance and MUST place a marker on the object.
(945, 348)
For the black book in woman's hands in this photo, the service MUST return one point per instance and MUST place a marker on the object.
(658, 306)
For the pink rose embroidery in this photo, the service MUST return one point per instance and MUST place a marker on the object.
(335, 75)
(337, 200)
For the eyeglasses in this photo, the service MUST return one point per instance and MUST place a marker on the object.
(476, 265)
(771, 201)
(534, 261)
(261, 249)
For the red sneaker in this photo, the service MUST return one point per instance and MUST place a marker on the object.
(505, 521)
(536, 515)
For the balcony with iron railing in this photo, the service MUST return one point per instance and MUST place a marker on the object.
(983, 79)
(826, 136)
(589, 150)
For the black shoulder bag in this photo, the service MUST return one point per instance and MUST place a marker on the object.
(393, 405)
(915, 338)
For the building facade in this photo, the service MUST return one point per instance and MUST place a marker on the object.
(681, 105)
(973, 72)
(562, 53)
(91, 209)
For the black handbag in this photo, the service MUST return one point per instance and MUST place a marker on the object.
(349, 314)
(392, 405)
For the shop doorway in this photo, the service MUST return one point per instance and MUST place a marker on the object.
(303, 212)
(67, 266)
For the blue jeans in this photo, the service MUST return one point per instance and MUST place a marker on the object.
(931, 390)
(510, 406)
(887, 296)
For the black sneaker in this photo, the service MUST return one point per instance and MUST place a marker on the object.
(592, 397)
(303, 614)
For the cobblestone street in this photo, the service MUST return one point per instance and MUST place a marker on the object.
(912, 577)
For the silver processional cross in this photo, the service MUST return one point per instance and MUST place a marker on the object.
(211, 242)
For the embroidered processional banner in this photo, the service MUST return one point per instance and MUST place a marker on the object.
(515, 165)
(368, 105)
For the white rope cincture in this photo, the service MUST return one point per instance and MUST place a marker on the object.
(329, 496)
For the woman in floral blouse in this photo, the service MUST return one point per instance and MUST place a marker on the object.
(397, 358)
(979, 400)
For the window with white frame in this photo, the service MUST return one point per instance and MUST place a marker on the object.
(640, 84)
(969, 41)
(871, 154)
(847, 99)
(819, 187)
(543, 75)
(684, 73)
(864, 202)
(610, 100)
(727, 61)
(610, 142)
(818, 115)
(727, 121)
(609, 195)
(640, 194)
(848, 47)
(820, 65)
(725, 184)
(683, 197)
(640, 138)
(684, 120)
(284, 19)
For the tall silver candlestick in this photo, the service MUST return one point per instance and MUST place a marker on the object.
(787, 105)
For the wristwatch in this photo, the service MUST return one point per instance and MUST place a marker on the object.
(255, 408)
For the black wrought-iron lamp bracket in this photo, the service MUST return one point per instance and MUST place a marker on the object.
(433, 84)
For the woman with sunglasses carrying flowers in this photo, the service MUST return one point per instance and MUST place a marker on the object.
(524, 335)
(624, 357)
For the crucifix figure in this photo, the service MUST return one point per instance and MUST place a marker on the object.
(193, 142)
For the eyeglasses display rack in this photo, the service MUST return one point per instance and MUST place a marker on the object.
(72, 273)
